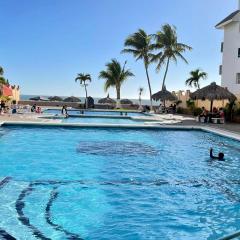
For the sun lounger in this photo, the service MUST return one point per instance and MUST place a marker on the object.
(218, 120)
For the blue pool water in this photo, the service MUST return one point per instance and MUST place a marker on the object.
(95, 113)
(101, 120)
(117, 184)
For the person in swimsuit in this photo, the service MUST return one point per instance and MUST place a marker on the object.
(220, 156)
(65, 111)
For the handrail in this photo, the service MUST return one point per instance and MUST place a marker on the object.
(232, 236)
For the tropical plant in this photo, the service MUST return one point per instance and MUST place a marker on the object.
(170, 48)
(229, 110)
(190, 104)
(83, 79)
(140, 91)
(139, 44)
(195, 77)
(2, 79)
(114, 76)
(1, 71)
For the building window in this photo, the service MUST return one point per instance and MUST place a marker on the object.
(222, 46)
(239, 52)
(238, 78)
(220, 70)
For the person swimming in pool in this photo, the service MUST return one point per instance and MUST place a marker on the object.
(220, 156)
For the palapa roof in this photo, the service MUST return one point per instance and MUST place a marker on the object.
(106, 100)
(164, 95)
(126, 101)
(55, 98)
(227, 20)
(72, 99)
(38, 98)
(213, 92)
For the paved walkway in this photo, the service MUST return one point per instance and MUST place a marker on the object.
(231, 127)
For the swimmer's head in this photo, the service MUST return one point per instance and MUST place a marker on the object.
(221, 156)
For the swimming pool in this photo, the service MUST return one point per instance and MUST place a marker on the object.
(96, 112)
(98, 120)
(70, 183)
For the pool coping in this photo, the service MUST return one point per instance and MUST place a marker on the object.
(217, 131)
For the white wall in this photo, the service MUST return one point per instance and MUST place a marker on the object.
(231, 62)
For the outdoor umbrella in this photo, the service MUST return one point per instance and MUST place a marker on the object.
(106, 100)
(213, 92)
(126, 101)
(72, 99)
(55, 98)
(164, 95)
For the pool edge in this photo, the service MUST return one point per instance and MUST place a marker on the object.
(217, 131)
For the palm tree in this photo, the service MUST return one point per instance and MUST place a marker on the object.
(170, 48)
(1, 71)
(139, 44)
(195, 77)
(2, 79)
(114, 76)
(83, 78)
(140, 91)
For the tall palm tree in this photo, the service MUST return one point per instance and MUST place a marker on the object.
(170, 48)
(140, 91)
(195, 77)
(83, 79)
(139, 44)
(114, 76)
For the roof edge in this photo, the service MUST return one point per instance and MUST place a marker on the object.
(227, 20)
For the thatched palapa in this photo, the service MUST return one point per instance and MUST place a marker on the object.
(55, 98)
(164, 95)
(38, 98)
(72, 99)
(213, 92)
(126, 101)
(107, 100)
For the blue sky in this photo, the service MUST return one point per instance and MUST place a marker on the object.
(45, 43)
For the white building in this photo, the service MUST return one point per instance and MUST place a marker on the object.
(230, 68)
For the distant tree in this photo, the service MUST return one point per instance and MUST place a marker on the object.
(115, 75)
(169, 48)
(140, 91)
(2, 79)
(83, 79)
(1, 71)
(195, 77)
(139, 44)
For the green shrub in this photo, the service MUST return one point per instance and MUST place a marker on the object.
(180, 110)
(190, 104)
(197, 111)
(237, 111)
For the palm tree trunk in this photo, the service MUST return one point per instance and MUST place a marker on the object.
(211, 106)
(149, 85)
(86, 101)
(165, 74)
(118, 97)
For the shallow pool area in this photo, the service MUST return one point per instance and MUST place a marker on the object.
(79, 183)
(97, 112)
(101, 120)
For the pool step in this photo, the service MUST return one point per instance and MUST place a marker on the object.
(36, 210)
(9, 193)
